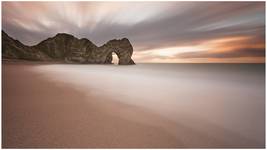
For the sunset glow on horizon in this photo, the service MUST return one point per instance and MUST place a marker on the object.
(160, 32)
(201, 53)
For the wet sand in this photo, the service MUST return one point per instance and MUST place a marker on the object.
(57, 106)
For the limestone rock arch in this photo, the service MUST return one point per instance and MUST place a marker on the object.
(122, 48)
(66, 47)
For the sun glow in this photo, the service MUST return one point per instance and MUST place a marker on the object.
(220, 45)
(172, 51)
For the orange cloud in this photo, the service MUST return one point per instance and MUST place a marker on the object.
(221, 50)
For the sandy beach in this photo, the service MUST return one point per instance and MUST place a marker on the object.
(141, 106)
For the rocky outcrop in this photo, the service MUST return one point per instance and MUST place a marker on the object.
(14, 49)
(65, 47)
(122, 48)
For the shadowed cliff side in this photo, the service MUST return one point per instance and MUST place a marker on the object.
(65, 47)
(14, 49)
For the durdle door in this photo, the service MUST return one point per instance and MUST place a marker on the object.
(67, 48)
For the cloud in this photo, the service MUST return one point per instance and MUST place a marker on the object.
(244, 52)
(148, 25)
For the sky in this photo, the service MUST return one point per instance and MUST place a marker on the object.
(160, 32)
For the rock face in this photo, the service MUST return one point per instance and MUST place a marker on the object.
(122, 48)
(65, 47)
(14, 49)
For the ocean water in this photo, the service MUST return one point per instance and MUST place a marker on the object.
(204, 97)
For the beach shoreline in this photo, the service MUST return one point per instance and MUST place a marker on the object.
(40, 112)
(31, 123)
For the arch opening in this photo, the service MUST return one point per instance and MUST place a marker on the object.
(115, 58)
